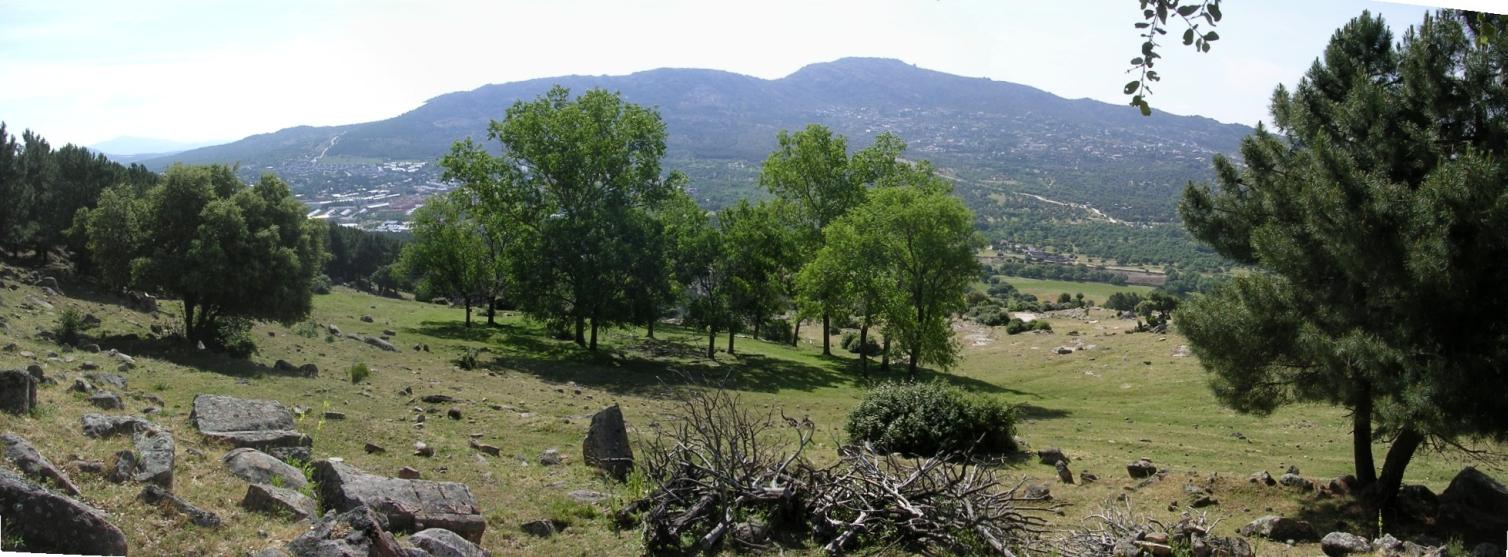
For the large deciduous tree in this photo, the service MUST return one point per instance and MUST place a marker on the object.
(449, 252)
(572, 185)
(226, 250)
(1377, 220)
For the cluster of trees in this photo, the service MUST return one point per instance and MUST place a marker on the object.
(575, 224)
(1056, 271)
(42, 189)
(1375, 220)
(356, 255)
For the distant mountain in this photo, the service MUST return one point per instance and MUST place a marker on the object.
(127, 149)
(989, 135)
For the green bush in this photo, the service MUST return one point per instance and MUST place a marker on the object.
(931, 418)
(71, 327)
(233, 335)
(468, 360)
(850, 342)
(320, 285)
(776, 330)
(359, 373)
(1017, 326)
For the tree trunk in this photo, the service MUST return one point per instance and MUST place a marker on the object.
(651, 333)
(885, 355)
(580, 331)
(188, 321)
(911, 365)
(1361, 435)
(796, 332)
(593, 344)
(863, 345)
(468, 312)
(756, 327)
(711, 342)
(491, 311)
(1385, 491)
(827, 349)
(730, 340)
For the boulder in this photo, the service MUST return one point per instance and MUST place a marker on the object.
(101, 426)
(265, 425)
(379, 343)
(1475, 501)
(1064, 474)
(1295, 481)
(25, 458)
(283, 365)
(280, 501)
(82, 386)
(1418, 501)
(157, 495)
(1279, 529)
(51, 522)
(1263, 478)
(261, 468)
(409, 473)
(123, 467)
(550, 457)
(38, 373)
(285, 445)
(1141, 468)
(1051, 456)
(543, 528)
(366, 319)
(155, 455)
(18, 391)
(408, 505)
(309, 370)
(1037, 492)
(445, 543)
(1217, 546)
(357, 532)
(483, 447)
(586, 496)
(606, 446)
(111, 379)
(106, 400)
(1337, 544)
(437, 399)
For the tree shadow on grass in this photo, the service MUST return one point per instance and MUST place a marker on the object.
(178, 351)
(1034, 412)
(477, 332)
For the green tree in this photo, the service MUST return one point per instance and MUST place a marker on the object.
(574, 180)
(703, 265)
(758, 252)
(448, 254)
(1375, 223)
(228, 251)
(855, 273)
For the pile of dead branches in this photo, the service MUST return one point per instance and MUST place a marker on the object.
(721, 476)
(1119, 530)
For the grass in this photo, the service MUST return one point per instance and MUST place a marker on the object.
(1048, 290)
(1129, 397)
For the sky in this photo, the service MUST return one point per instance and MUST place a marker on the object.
(210, 70)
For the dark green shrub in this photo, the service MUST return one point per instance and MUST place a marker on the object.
(930, 418)
(320, 285)
(358, 373)
(233, 336)
(71, 327)
(468, 360)
(850, 342)
(776, 330)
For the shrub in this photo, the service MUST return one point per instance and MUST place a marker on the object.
(850, 342)
(233, 335)
(71, 327)
(931, 418)
(468, 360)
(976, 297)
(320, 285)
(306, 329)
(1017, 326)
(359, 373)
(776, 330)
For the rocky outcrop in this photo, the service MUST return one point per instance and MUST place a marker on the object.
(1339, 544)
(1280, 529)
(101, 426)
(265, 425)
(18, 391)
(279, 501)
(445, 543)
(379, 343)
(51, 522)
(408, 505)
(1141, 468)
(156, 495)
(357, 532)
(606, 446)
(1476, 502)
(261, 468)
(25, 458)
(155, 455)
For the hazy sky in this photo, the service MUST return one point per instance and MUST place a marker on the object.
(84, 71)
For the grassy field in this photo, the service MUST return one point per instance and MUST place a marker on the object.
(1050, 289)
(1129, 396)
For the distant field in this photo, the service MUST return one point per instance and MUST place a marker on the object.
(1050, 289)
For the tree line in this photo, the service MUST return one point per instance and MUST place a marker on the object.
(575, 223)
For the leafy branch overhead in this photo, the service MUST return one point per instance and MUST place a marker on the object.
(1196, 16)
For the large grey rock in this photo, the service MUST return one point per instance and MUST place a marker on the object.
(215, 413)
(154, 494)
(1279, 529)
(155, 455)
(379, 343)
(1051, 456)
(286, 445)
(1217, 546)
(408, 505)
(358, 532)
(18, 391)
(25, 457)
(440, 542)
(101, 426)
(106, 400)
(277, 500)
(1338, 544)
(110, 379)
(606, 445)
(51, 522)
(1476, 501)
(261, 468)
(1141, 468)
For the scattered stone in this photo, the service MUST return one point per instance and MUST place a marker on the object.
(157, 495)
(355, 532)
(124, 467)
(1064, 475)
(454, 413)
(551, 457)
(423, 449)
(1038, 491)
(409, 505)
(606, 446)
(1063, 350)
(333, 415)
(9, 347)
(106, 400)
(1337, 544)
(409, 473)
(586, 496)
(1279, 529)
(333, 330)
(38, 373)
(1088, 478)
(283, 365)
(440, 542)
(1295, 481)
(90, 348)
(1141, 468)
(372, 448)
(309, 370)
(750, 534)
(155, 455)
(110, 379)
(543, 528)
(366, 319)
(51, 522)
(1217, 546)
(261, 468)
(437, 399)
(25, 457)
(101, 426)
(18, 391)
(1052, 456)
(379, 343)
(1262, 478)
(389, 332)
(483, 447)
(277, 500)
